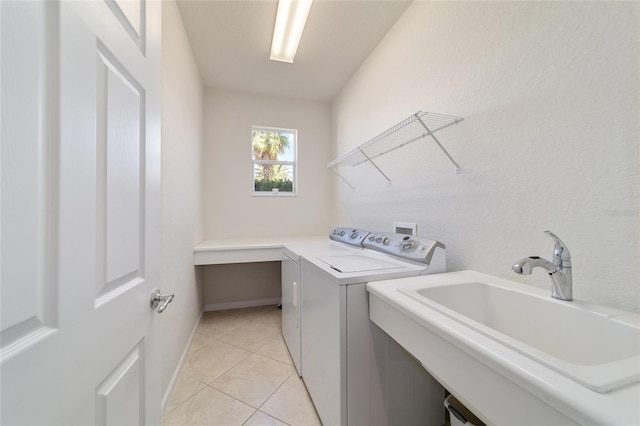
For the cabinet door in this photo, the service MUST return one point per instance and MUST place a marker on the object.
(291, 309)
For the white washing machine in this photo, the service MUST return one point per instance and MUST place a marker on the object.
(341, 240)
(339, 366)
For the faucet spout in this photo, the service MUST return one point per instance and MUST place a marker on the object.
(525, 266)
(559, 270)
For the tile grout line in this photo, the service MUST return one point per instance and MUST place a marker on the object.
(253, 352)
(210, 384)
(236, 328)
(264, 356)
(273, 393)
(245, 349)
(257, 321)
(182, 403)
(261, 355)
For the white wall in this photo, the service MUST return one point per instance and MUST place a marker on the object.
(550, 96)
(182, 106)
(234, 285)
(230, 209)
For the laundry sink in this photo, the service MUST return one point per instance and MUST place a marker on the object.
(595, 346)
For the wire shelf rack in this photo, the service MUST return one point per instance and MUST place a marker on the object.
(415, 127)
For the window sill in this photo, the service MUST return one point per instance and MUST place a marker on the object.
(274, 194)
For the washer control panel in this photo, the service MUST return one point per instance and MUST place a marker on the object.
(408, 247)
(351, 236)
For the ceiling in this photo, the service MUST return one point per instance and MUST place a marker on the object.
(231, 41)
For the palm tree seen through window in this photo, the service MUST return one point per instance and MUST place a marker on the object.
(274, 160)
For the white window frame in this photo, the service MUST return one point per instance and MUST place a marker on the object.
(293, 164)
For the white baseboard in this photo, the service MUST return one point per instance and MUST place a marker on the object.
(242, 304)
(176, 373)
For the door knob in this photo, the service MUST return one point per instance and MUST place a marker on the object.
(160, 301)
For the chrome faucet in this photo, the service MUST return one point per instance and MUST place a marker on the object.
(559, 270)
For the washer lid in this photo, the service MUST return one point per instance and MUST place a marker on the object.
(358, 263)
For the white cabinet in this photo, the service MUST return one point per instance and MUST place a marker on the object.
(291, 308)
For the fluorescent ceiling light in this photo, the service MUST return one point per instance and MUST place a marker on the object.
(292, 15)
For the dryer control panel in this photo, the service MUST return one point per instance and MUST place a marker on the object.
(410, 247)
(352, 236)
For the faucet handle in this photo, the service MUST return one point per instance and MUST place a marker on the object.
(561, 255)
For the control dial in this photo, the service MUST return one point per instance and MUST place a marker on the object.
(386, 241)
(407, 245)
(354, 235)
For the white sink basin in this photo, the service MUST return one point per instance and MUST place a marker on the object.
(594, 346)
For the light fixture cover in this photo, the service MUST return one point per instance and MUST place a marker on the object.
(290, 21)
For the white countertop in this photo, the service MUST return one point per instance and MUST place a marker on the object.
(244, 250)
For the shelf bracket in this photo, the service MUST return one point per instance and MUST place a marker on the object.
(343, 178)
(438, 142)
(374, 164)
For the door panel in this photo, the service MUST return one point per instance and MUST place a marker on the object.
(119, 398)
(120, 177)
(131, 16)
(80, 213)
(28, 192)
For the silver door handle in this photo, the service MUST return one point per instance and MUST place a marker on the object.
(160, 301)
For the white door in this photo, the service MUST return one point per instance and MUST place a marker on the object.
(80, 167)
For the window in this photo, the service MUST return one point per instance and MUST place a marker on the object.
(274, 161)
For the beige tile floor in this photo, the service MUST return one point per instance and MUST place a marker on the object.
(238, 372)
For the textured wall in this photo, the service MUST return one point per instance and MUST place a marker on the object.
(182, 101)
(230, 209)
(550, 96)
